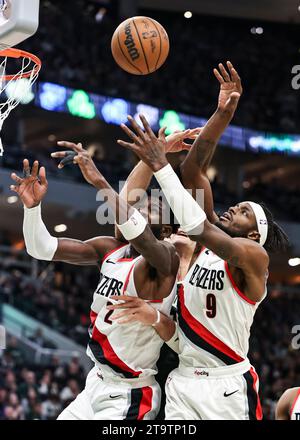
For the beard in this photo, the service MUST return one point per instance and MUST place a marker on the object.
(232, 233)
(157, 231)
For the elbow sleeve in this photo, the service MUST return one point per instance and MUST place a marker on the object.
(189, 214)
(39, 243)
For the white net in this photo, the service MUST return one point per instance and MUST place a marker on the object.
(13, 88)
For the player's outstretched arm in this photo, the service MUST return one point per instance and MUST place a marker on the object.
(130, 222)
(40, 244)
(242, 253)
(140, 177)
(195, 165)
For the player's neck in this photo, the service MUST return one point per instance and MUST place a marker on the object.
(131, 252)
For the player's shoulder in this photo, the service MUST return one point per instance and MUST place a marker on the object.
(105, 244)
(291, 393)
(286, 401)
(255, 249)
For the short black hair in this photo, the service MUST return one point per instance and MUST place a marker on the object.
(277, 240)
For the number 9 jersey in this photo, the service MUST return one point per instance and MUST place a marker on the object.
(214, 316)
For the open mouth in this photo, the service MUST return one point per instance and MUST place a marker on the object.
(226, 216)
(181, 233)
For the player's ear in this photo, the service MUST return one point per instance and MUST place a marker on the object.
(254, 235)
(166, 231)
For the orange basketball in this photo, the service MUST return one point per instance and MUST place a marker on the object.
(140, 45)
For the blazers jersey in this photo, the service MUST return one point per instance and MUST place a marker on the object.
(214, 316)
(125, 350)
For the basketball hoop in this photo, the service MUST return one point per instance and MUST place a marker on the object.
(30, 69)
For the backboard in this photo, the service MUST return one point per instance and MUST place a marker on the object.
(19, 20)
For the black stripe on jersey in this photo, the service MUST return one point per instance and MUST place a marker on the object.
(200, 342)
(251, 396)
(99, 356)
(135, 402)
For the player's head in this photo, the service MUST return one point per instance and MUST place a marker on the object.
(160, 217)
(254, 221)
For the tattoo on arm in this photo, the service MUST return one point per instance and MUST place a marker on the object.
(205, 149)
(226, 255)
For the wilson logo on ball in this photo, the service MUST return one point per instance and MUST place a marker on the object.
(130, 44)
(140, 45)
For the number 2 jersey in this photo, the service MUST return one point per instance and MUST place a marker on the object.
(125, 350)
(214, 316)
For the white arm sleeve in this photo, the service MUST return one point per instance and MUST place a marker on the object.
(134, 226)
(187, 211)
(174, 341)
(39, 243)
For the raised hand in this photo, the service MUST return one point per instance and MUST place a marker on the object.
(78, 155)
(149, 148)
(32, 188)
(230, 87)
(175, 141)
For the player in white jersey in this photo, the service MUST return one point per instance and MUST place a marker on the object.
(223, 287)
(122, 384)
(288, 406)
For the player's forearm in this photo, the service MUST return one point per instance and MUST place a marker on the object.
(138, 180)
(166, 327)
(203, 149)
(39, 242)
(135, 229)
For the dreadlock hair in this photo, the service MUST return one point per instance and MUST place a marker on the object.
(277, 240)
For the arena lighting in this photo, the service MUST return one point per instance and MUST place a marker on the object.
(188, 14)
(60, 228)
(79, 105)
(53, 97)
(115, 111)
(294, 261)
(171, 120)
(273, 143)
(259, 30)
(151, 114)
(12, 199)
(21, 89)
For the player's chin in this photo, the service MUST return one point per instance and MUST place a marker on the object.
(224, 224)
(179, 238)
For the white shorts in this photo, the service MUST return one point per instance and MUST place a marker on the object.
(223, 393)
(115, 399)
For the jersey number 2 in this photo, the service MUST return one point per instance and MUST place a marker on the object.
(211, 306)
(108, 314)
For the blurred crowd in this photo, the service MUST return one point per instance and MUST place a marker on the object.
(31, 391)
(76, 52)
(62, 302)
(60, 297)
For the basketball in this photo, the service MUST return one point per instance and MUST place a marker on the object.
(140, 45)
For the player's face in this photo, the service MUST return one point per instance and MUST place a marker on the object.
(157, 215)
(238, 221)
(182, 242)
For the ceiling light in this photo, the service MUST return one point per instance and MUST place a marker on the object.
(12, 199)
(294, 261)
(60, 228)
(188, 14)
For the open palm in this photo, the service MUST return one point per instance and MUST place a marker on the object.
(230, 86)
(33, 187)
